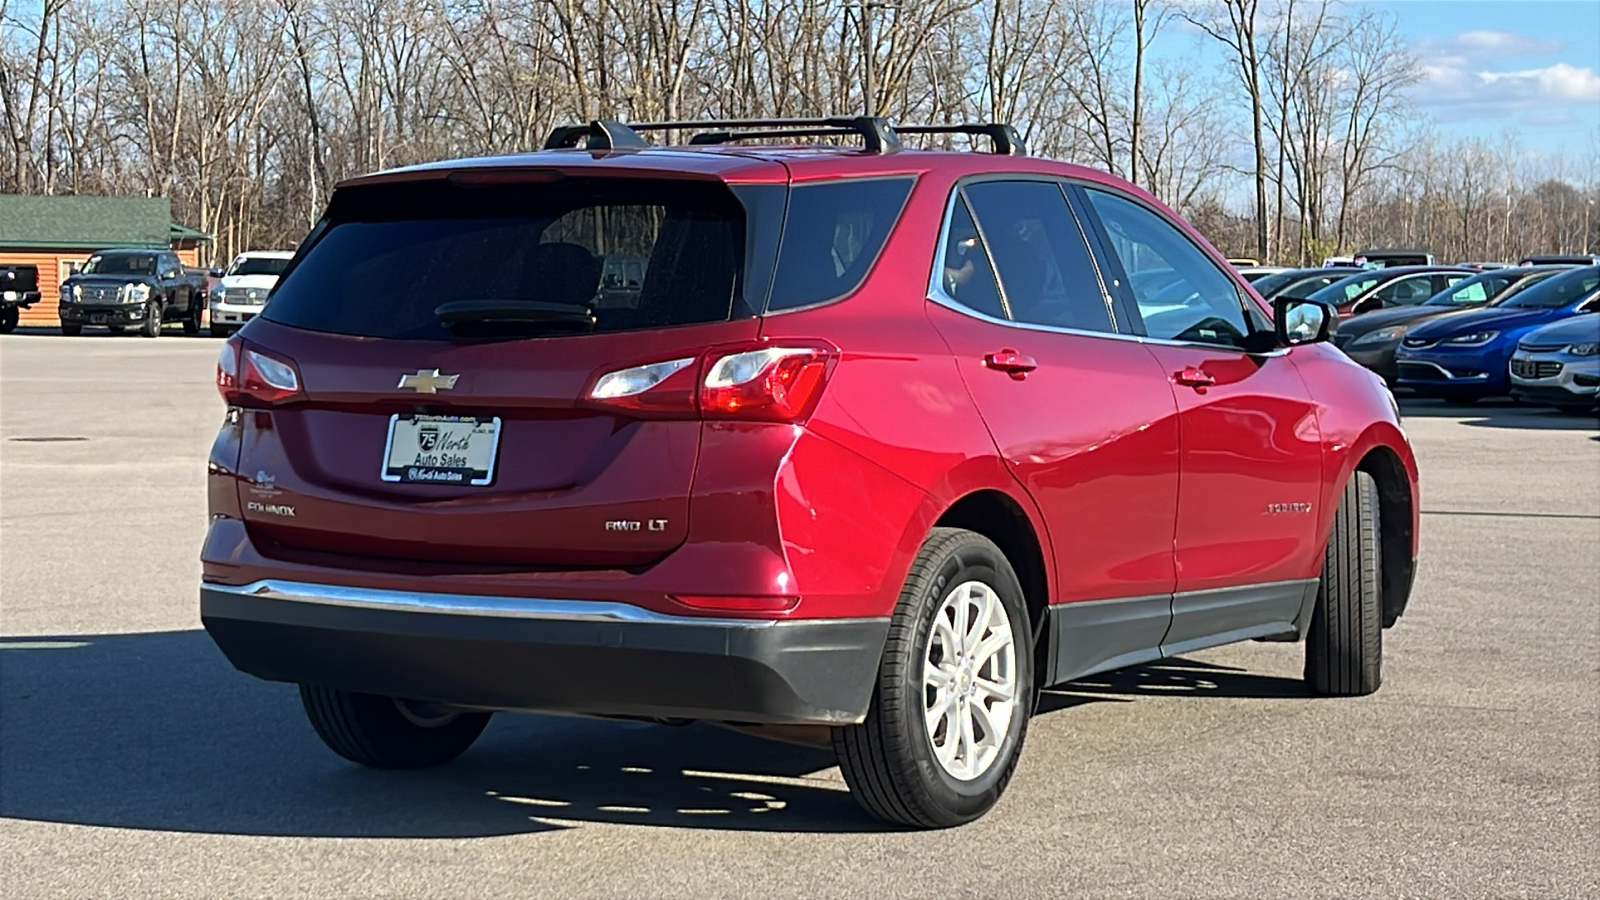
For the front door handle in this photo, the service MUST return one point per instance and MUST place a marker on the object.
(1011, 362)
(1194, 376)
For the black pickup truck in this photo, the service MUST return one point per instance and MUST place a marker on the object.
(19, 289)
(133, 289)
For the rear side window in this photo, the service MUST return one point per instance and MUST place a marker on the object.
(832, 234)
(1044, 264)
(577, 255)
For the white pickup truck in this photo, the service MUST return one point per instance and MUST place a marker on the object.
(243, 290)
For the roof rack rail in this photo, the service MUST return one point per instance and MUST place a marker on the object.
(604, 134)
(878, 134)
(1007, 141)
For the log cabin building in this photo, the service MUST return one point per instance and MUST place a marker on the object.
(58, 234)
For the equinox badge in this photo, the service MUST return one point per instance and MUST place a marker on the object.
(428, 382)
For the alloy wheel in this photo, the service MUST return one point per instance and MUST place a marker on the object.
(969, 680)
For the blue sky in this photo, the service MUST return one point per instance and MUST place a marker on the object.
(1532, 65)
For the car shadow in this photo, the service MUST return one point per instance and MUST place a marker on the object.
(157, 731)
(1499, 413)
(1180, 676)
(170, 329)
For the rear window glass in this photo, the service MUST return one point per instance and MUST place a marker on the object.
(831, 236)
(573, 256)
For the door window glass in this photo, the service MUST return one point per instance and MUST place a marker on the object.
(1406, 291)
(1045, 269)
(1180, 292)
(967, 277)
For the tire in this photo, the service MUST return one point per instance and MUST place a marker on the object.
(191, 322)
(378, 731)
(9, 317)
(1344, 647)
(151, 327)
(71, 330)
(889, 760)
(220, 331)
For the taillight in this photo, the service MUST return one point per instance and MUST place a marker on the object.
(663, 386)
(250, 377)
(767, 383)
(228, 369)
(777, 383)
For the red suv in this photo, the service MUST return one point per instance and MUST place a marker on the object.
(867, 439)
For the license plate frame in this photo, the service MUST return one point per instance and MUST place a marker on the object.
(450, 434)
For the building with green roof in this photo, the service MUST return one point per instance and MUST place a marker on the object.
(57, 233)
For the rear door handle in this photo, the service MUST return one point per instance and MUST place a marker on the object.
(1193, 376)
(1011, 362)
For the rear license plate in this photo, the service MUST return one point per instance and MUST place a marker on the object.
(441, 449)
(98, 318)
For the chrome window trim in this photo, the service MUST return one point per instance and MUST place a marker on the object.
(481, 605)
(937, 293)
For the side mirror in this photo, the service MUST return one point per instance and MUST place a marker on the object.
(1299, 321)
(216, 272)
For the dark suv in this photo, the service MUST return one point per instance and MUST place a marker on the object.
(870, 443)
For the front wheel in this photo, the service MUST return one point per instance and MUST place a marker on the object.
(151, 326)
(220, 331)
(954, 690)
(387, 732)
(71, 330)
(1344, 646)
(9, 317)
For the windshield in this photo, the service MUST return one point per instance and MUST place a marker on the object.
(121, 264)
(1344, 290)
(1568, 287)
(258, 265)
(1527, 281)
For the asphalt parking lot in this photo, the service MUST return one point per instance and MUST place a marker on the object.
(134, 761)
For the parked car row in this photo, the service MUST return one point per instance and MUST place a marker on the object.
(1524, 331)
(147, 289)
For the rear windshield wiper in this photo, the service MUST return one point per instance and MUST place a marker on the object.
(480, 317)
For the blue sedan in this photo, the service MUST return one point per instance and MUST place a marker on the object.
(1466, 356)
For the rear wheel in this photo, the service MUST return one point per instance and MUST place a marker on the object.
(387, 732)
(954, 690)
(9, 317)
(191, 322)
(1344, 647)
(151, 327)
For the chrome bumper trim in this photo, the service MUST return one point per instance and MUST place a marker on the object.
(476, 605)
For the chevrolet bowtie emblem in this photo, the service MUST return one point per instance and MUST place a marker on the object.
(427, 381)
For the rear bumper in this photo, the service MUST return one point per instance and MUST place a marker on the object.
(565, 656)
